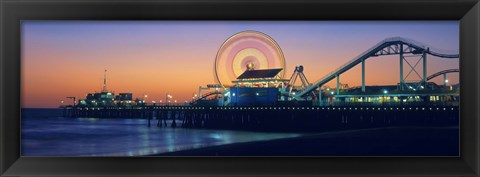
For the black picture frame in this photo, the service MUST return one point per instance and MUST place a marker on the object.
(14, 11)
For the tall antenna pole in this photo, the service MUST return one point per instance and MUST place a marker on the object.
(105, 81)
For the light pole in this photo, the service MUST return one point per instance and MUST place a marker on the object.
(384, 96)
(332, 97)
(194, 96)
(168, 97)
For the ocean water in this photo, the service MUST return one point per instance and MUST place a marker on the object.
(44, 132)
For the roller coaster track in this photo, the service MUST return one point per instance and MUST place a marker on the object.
(388, 46)
(207, 95)
(443, 72)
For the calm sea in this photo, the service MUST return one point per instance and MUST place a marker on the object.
(46, 133)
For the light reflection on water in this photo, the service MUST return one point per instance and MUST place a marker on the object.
(47, 134)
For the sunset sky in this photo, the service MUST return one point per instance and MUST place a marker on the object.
(68, 58)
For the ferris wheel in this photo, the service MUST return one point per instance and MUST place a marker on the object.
(252, 50)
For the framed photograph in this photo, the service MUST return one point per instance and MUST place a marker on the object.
(206, 88)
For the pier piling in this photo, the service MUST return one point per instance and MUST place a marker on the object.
(282, 118)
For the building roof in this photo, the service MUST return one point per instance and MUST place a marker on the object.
(261, 73)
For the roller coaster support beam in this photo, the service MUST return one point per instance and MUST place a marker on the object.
(200, 91)
(338, 84)
(363, 75)
(388, 46)
(320, 96)
(401, 67)
(424, 78)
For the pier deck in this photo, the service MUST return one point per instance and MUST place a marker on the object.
(279, 118)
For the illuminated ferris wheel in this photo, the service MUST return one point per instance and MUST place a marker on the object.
(250, 50)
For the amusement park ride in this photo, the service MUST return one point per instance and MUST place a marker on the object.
(251, 93)
(250, 70)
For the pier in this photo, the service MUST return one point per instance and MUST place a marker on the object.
(285, 119)
(262, 99)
